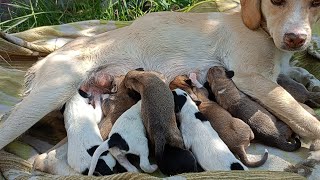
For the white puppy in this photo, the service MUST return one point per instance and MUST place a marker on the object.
(84, 137)
(198, 135)
(128, 136)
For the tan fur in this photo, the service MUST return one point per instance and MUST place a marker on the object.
(233, 131)
(174, 44)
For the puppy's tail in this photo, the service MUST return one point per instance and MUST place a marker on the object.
(95, 157)
(244, 159)
(287, 146)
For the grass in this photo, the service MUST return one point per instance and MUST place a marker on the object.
(26, 14)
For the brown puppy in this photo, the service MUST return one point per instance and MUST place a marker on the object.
(233, 131)
(298, 91)
(116, 105)
(158, 116)
(266, 127)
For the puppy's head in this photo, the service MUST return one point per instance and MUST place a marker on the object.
(135, 78)
(289, 22)
(180, 99)
(184, 83)
(219, 72)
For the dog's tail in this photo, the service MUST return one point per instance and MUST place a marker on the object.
(96, 155)
(244, 159)
(288, 146)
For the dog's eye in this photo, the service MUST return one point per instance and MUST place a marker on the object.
(315, 3)
(278, 2)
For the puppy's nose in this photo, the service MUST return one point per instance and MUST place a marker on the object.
(294, 40)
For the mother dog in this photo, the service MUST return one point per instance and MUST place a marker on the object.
(180, 43)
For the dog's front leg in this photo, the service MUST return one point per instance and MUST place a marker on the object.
(280, 103)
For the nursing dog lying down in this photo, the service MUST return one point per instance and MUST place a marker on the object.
(198, 136)
(256, 43)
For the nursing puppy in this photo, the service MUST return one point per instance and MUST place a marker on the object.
(198, 135)
(116, 104)
(266, 127)
(298, 91)
(233, 131)
(157, 109)
(127, 136)
(83, 140)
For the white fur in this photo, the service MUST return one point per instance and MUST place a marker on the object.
(81, 121)
(130, 127)
(210, 151)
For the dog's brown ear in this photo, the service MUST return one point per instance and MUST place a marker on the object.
(251, 13)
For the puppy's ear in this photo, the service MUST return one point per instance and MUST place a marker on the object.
(139, 69)
(197, 102)
(188, 81)
(114, 89)
(134, 95)
(83, 94)
(251, 13)
(230, 74)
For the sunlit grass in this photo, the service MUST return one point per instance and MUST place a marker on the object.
(26, 14)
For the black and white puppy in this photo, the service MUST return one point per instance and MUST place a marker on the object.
(198, 135)
(127, 136)
(81, 123)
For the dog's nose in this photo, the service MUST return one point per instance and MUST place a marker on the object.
(294, 40)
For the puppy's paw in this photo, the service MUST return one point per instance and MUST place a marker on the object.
(149, 168)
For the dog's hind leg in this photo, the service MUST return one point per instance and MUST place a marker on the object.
(52, 85)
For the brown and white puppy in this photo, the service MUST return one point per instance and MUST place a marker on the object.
(157, 109)
(298, 91)
(266, 127)
(116, 104)
(233, 131)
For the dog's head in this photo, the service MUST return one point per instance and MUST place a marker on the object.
(289, 22)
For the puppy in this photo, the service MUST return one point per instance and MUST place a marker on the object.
(127, 136)
(266, 127)
(233, 131)
(157, 109)
(298, 91)
(116, 104)
(198, 135)
(84, 135)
